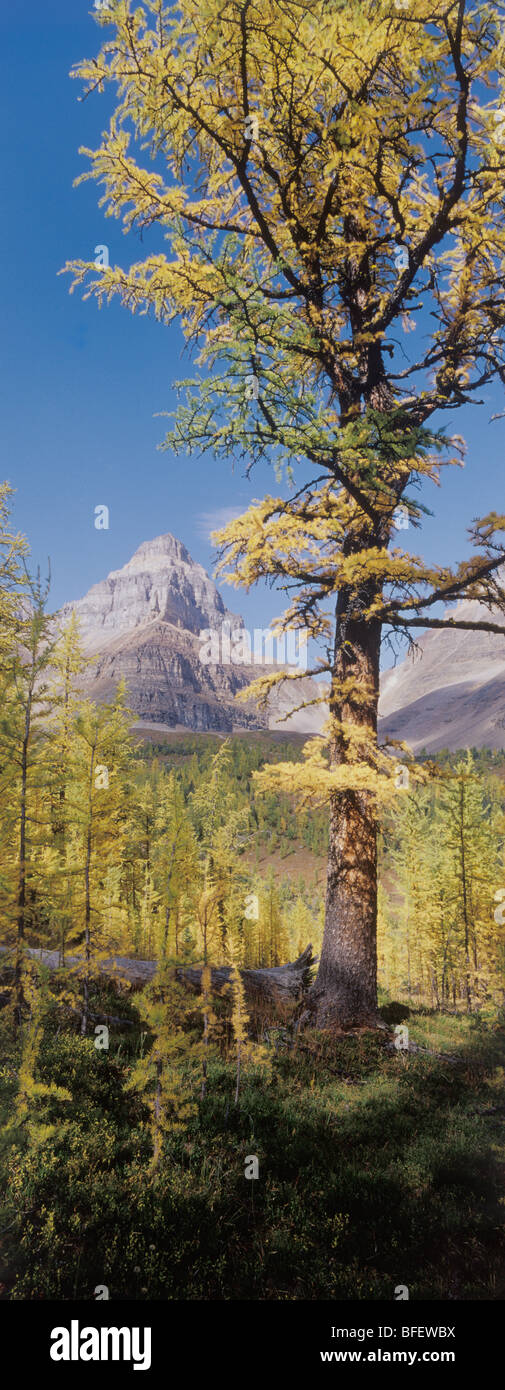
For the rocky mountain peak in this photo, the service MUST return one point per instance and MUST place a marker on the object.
(157, 552)
(161, 581)
(142, 624)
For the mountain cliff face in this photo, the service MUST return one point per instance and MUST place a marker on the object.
(143, 623)
(451, 692)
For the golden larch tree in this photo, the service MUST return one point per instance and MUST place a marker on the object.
(323, 178)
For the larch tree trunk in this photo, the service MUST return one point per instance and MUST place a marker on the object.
(345, 991)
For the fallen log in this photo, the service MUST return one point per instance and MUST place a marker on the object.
(274, 984)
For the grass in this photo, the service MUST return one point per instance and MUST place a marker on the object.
(376, 1168)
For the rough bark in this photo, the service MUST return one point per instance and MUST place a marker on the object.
(345, 991)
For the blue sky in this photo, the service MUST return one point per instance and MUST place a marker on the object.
(81, 387)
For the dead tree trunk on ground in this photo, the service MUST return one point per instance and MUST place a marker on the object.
(276, 985)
